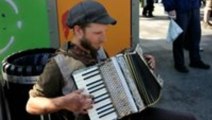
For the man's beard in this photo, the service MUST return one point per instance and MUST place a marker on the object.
(84, 42)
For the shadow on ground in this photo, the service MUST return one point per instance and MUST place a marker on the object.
(183, 92)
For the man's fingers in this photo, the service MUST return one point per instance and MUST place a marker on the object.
(88, 103)
(84, 111)
(151, 61)
(79, 91)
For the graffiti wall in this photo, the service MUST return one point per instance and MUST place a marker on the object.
(23, 25)
(118, 36)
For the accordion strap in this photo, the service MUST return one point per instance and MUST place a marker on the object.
(67, 65)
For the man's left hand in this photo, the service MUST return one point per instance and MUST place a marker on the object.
(150, 61)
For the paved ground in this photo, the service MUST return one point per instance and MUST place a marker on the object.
(182, 92)
(190, 92)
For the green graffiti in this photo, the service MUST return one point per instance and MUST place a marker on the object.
(23, 25)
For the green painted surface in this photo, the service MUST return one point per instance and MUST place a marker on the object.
(23, 25)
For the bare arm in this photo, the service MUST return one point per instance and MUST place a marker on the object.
(75, 102)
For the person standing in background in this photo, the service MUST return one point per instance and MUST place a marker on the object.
(207, 14)
(187, 15)
(148, 8)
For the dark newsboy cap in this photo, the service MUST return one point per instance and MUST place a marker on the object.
(89, 11)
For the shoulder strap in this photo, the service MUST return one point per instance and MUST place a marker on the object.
(102, 55)
(66, 71)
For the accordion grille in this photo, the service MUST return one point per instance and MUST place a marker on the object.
(116, 89)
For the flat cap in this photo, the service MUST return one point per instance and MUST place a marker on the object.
(89, 11)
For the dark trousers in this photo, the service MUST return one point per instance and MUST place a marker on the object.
(190, 38)
(148, 9)
(150, 114)
(159, 114)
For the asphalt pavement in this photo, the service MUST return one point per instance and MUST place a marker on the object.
(182, 92)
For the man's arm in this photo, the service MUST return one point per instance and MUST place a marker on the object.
(169, 5)
(46, 96)
(42, 105)
(75, 102)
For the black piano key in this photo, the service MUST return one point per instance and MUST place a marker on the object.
(105, 110)
(90, 88)
(96, 89)
(90, 76)
(106, 97)
(84, 74)
(109, 112)
(94, 82)
(100, 95)
(97, 109)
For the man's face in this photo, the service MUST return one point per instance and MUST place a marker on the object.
(94, 36)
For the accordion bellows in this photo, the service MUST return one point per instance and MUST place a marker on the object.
(121, 86)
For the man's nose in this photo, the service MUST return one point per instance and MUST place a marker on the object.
(103, 36)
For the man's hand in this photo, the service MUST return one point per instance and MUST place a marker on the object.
(150, 61)
(172, 14)
(77, 102)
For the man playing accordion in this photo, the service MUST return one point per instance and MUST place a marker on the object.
(89, 21)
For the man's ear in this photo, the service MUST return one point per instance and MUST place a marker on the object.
(78, 31)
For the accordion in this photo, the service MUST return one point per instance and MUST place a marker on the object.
(121, 86)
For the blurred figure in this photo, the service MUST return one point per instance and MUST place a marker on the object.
(207, 14)
(148, 8)
(158, 1)
(187, 15)
(203, 2)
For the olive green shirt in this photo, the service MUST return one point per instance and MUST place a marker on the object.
(51, 83)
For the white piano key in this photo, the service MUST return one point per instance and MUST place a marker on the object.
(102, 97)
(106, 113)
(80, 82)
(91, 74)
(93, 79)
(81, 85)
(88, 81)
(93, 114)
(104, 108)
(95, 84)
(86, 71)
(102, 103)
(112, 116)
(100, 92)
(96, 89)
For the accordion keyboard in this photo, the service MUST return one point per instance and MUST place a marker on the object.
(121, 86)
(92, 82)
